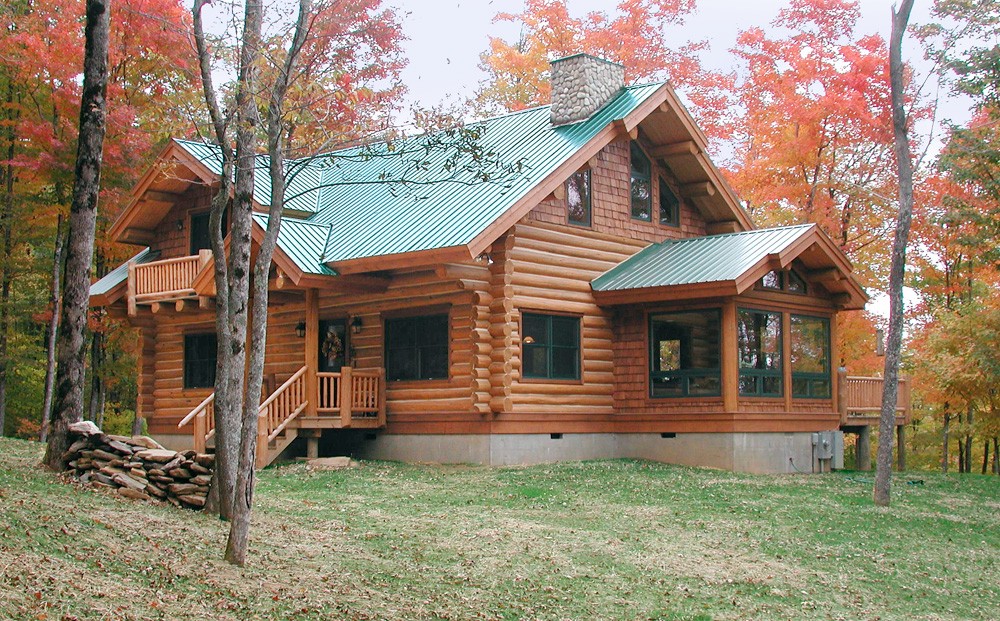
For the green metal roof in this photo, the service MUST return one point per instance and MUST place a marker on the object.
(718, 258)
(118, 275)
(360, 210)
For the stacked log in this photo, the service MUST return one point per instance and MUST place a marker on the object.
(138, 467)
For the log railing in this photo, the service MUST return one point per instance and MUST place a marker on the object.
(204, 422)
(169, 279)
(863, 398)
(352, 393)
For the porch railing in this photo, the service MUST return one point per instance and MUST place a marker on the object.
(863, 398)
(350, 394)
(364, 398)
(169, 279)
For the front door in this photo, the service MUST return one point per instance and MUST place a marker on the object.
(332, 345)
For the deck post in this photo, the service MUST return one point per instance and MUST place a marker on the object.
(346, 396)
(132, 308)
(312, 447)
(381, 397)
(200, 431)
(840, 394)
(863, 449)
(261, 459)
(901, 448)
(312, 351)
(729, 361)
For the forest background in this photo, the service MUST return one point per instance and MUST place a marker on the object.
(798, 116)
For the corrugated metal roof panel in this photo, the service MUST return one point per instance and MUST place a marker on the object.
(444, 201)
(718, 258)
(118, 275)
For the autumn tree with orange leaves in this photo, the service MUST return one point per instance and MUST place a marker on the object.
(633, 35)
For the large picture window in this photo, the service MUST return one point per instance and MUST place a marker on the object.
(578, 198)
(810, 357)
(416, 348)
(760, 353)
(684, 354)
(551, 346)
(642, 193)
(200, 352)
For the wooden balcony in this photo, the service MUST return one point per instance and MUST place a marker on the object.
(348, 399)
(169, 280)
(861, 401)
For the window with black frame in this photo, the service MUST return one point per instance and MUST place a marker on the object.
(200, 355)
(578, 198)
(670, 206)
(416, 348)
(641, 183)
(684, 354)
(759, 334)
(551, 346)
(810, 357)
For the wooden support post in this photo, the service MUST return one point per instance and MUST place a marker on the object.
(863, 450)
(786, 359)
(132, 309)
(730, 362)
(901, 448)
(200, 432)
(312, 351)
(261, 460)
(840, 394)
(346, 396)
(381, 397)
(312, 447)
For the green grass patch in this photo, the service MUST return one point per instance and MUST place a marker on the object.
(615, 539)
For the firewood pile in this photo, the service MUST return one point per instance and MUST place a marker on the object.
(138, 467)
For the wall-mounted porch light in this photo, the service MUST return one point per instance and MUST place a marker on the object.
(485, 258)
(300, 330)
(180, 225)
(356, 324)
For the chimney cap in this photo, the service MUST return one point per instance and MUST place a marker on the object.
(603, 60)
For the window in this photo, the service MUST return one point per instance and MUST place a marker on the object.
(760, 353)
(670, 207)
(642, 193)
(783, 281)
(810, 357)
(551, 346)
(416, 348)
(578, 198)
(684, 354)
(199, 360)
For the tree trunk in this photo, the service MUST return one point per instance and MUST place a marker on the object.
(986, 455)
(6, 221)
(944, 442)
(961, 456)
(95, 410)
(996, 455)
(890, 386)
(239, 532)
(82, 224)
(55, 303)
(969, 422)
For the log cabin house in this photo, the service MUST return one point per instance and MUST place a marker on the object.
(608, 296)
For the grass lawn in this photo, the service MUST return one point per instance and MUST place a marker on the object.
(595, 540)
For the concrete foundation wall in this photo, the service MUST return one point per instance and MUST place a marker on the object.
(176, 442)
(741, 452)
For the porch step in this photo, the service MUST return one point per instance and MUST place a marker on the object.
(267, 454)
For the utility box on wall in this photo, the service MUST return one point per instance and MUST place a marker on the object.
(828, 450)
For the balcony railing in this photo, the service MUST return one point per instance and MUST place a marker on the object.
(165, 281)
(862, 400)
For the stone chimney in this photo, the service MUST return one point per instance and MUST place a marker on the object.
(581, 85)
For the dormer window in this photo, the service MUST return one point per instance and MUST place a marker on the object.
(578, 198)
(788, 281)
(642, 193)
(670, 206)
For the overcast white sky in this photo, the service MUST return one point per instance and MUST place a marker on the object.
(447, 36)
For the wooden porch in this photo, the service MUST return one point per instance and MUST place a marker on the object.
(165, 281)
(349, 399)
(861, 401)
